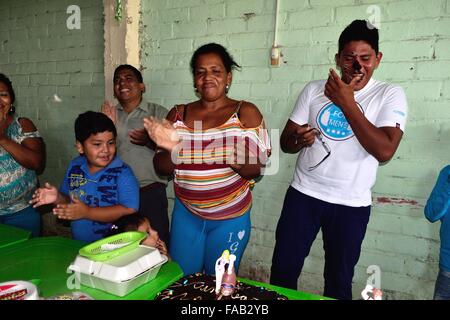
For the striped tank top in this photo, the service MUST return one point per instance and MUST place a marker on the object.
(203, 180)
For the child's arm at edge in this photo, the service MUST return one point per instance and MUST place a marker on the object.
(438, 204)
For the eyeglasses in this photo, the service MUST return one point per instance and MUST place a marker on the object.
(325, 147)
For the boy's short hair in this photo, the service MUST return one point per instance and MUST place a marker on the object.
(359, 30)
(129, 222)
(90, 123)
(136, 72)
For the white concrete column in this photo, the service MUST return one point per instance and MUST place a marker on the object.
(121, 39)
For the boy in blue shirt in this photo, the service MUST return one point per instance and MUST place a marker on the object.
(438, 208)
(98, 188)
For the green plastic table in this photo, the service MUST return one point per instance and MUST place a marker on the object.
(44, 261)
(290, 293)
(10, 235)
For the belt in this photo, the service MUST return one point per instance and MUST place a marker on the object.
(152, 186)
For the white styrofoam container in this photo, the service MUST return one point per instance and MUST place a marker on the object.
(122, 274)
(120, 268)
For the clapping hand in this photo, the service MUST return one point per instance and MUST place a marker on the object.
(109, 110)
(241, 156)
(162, 133)
(45, 195)
(75, 210)
(139, 137)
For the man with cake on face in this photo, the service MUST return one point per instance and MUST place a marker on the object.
(343, 128)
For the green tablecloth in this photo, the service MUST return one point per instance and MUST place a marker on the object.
(11, 235)
(44, 261)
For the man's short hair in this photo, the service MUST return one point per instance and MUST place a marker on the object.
(359, 30)
(91, 122)
(136, 72)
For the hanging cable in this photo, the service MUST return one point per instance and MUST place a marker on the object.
(275, 53)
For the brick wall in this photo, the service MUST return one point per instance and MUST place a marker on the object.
(47, 62)
(415, 40)
(44, 58)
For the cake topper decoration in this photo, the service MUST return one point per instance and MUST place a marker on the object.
(220, 268)
(371, 293)
(225, 274)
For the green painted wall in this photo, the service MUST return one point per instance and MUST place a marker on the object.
(415, 40)
(43, 58)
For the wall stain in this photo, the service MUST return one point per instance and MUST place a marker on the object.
(397, 201)
(248, 15)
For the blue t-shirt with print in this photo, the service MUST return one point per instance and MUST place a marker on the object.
(113, 185)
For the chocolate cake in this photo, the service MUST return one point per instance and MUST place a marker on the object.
(202, 287)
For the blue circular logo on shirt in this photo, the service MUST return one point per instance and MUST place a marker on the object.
(333, 124)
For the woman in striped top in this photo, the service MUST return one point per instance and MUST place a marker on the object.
(220, 147)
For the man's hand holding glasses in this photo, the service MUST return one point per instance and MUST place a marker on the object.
(306, 136)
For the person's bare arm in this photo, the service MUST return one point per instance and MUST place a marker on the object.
(162, 160)
(244, 161)
(30, 153)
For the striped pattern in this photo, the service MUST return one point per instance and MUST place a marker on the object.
(204, 182)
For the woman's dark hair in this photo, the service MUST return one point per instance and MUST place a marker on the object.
(226, 58)
(136, 72)
(91, 122)
(359, 30)
(4, 79)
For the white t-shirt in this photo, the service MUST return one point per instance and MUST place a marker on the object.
(347, 176)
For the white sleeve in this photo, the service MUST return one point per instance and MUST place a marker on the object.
(394, 110)
(300, 114)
